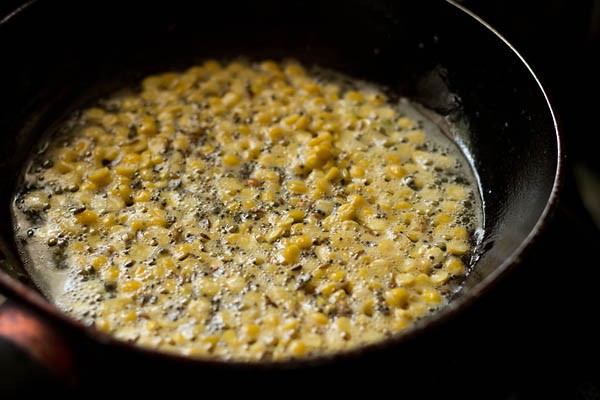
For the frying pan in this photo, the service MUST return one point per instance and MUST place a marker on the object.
(58, 56)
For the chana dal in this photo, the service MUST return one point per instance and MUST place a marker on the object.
(248, 211)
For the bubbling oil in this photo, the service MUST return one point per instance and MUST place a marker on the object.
(249, 211)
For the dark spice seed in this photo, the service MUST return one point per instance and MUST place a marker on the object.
(78, 210)
(110, 287)
(87, 270)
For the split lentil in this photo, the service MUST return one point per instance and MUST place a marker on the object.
(247, 211)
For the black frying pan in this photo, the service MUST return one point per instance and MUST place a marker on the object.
(57, 56)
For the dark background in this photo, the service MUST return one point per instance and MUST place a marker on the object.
(534, 335)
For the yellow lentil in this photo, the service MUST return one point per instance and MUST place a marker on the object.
(249, 211)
